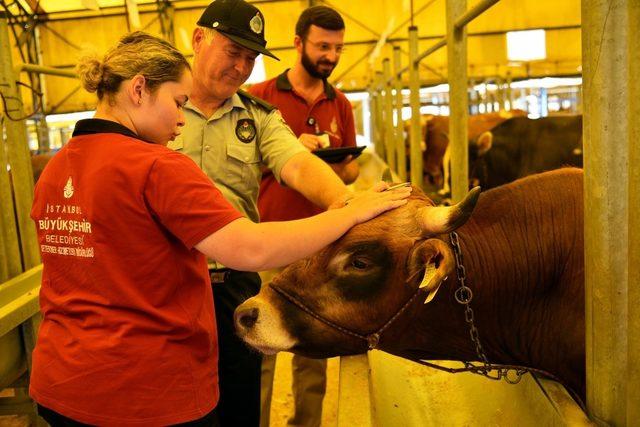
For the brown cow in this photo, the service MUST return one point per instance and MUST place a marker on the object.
(38, 163)
(436, 134)
(522, 146)
(523, 254)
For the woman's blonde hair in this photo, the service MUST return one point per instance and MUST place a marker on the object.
(135, 53)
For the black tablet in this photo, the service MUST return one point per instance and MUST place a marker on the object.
(336, 155)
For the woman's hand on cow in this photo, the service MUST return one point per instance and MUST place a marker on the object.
(369, 204)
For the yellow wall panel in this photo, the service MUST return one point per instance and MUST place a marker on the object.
(523, 14)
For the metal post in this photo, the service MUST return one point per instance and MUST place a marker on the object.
(414, 99)
(490, 99)
(17, 151)
(44, 144)
(41, 69)
(458, 102)
(500, 97)
(372, 117)
(376, 113)
(612, 177)
(166, 13)
(509, 93)
(401, 147)
(633, 331)
(389, 128)
(544, 102)
(10, 265)
(473, 97)
(463, 18)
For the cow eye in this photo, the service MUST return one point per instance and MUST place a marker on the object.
(359, 264)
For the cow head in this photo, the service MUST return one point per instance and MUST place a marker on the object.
(359, 282)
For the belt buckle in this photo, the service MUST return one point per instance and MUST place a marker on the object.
(218, 277)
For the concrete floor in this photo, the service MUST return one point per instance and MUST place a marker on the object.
(282, 401)
(12, 420)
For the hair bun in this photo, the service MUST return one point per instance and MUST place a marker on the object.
(90, 71)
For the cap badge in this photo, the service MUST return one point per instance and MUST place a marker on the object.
(246, 130)
(215, 24)
(256, 24)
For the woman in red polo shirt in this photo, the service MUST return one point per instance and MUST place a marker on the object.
(124, 224)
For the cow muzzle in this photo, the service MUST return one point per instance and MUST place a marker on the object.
(260, 325)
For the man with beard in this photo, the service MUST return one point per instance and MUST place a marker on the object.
(321, 116)
(230, 134)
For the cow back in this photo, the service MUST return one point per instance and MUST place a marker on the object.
(523, 146)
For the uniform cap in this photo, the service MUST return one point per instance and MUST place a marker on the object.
(238, 20)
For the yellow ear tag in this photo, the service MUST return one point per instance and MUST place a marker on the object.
(429, 274)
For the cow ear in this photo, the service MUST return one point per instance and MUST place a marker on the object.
(386, 176)
(444, 219)
(484, 143)
(424, 119)
(436, 259)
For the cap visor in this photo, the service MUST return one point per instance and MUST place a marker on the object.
(250, 45)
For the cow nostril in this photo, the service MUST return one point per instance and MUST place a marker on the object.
(248, 318)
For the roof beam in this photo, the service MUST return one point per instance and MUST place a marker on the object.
(35, 7)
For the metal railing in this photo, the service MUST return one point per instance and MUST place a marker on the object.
(393, 148)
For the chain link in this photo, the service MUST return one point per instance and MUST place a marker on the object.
(464, 296)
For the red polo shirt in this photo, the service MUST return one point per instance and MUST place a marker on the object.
(331, 113)
(129, 334)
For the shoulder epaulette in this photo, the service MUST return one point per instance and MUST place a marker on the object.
(258, 101)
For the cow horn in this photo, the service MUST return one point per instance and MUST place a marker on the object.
(444, 219)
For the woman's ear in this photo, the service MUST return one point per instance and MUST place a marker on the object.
(137, 87)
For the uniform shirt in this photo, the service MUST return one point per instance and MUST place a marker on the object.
(232, 145)
(128, 335)
(331, 114)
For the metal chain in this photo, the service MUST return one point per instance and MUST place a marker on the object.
(510, 373)
(464, 295)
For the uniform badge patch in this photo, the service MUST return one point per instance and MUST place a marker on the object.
(68, 189)
(256, 24)
(334, 125)
(246, 130)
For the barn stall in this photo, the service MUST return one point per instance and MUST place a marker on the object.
(395, 62)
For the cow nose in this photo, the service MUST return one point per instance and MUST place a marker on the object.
(246, 317)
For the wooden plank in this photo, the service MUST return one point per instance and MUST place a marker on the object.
(19, 299)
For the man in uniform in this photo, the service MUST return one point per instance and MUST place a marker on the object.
(321, 116)
(230, 134)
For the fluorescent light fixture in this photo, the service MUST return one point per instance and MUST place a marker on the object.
(69, 117)
(547, 82)
(526, 45)
(258, 74)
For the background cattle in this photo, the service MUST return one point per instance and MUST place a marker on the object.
(38, 162)
(435, 131)
(521, 146)
(503, 147)
(523, 254)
